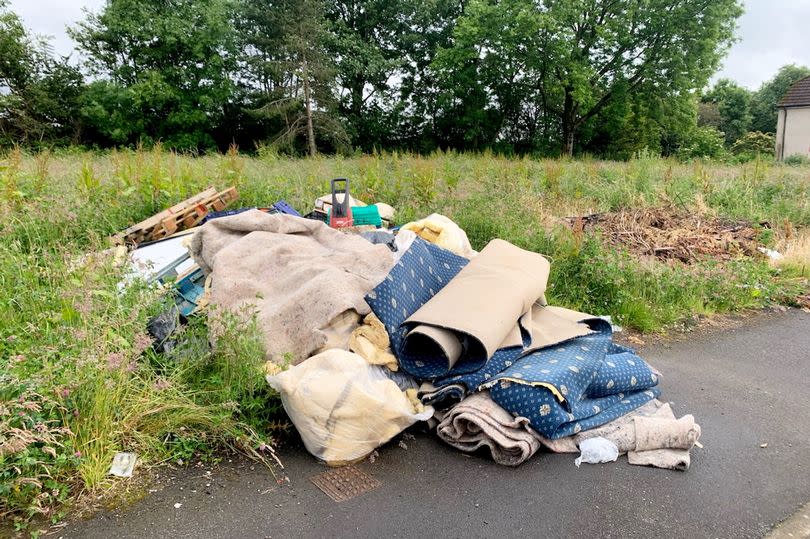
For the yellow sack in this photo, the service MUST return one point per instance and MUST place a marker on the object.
(442, 231)
(342, 407)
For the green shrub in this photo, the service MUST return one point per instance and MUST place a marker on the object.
(35, 451)
(754, 145)
(796, 160)
(703, 143)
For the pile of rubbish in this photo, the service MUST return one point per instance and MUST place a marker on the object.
(672, 234)
(369, 328)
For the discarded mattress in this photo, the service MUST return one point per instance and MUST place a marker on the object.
(342, 407)
(451, 315)
(297, 274)
(571, 387)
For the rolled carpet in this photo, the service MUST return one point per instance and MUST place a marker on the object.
(478, 422)
(449, 316)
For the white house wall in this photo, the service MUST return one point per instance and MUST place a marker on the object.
(793, 131)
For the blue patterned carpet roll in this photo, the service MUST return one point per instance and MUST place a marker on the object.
(575, 386)
(562, 389)
(423, 270)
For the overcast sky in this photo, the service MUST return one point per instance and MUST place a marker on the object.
(772, 33)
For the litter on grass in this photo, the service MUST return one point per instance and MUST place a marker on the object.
(369, 329)
(186, 214)
(123, 464)
(163, 259)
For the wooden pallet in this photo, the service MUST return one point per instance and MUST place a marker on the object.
(183, 215)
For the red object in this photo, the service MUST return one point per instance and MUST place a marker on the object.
(341, 214)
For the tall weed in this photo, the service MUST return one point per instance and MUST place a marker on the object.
(74, 355)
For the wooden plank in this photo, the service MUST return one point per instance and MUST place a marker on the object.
(177, 208)
(185, 214)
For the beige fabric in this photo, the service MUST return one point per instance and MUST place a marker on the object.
(620, 431)
(486, 300)
(370, 341)
(664, 442)
(548, 324)
(670, 459)
(657, 432)
(342, 407)
(650, 435)
(478, 421)
(386, 212)
(299, 274)
(442, 231)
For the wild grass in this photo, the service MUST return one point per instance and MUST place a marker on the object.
(76, 366)
(795, 250)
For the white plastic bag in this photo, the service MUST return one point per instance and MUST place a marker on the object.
(597, 450)
(342, 407)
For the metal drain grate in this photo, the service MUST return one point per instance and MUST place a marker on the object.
(344, 483)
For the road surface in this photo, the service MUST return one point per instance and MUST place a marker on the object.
(747, 386)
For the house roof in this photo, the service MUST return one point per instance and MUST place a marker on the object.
(797, 95)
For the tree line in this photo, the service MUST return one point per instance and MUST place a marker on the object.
(607, 77)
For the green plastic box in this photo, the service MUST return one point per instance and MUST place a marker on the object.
(365, 215)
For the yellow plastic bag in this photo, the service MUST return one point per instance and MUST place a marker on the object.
(442, 231)
(342, 407)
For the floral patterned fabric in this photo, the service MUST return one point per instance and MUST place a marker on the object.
(563, 389)
(575, 386)
(423, 270)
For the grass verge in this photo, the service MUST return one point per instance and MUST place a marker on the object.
(79, 381)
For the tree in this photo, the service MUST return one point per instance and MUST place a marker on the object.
(110, 116)
(656, 48)
(292, 77)
(586, 54)
(733, 108)
(365, 35)
(632, 124)
(382, 51)
(38, 92)
(494, 77)
(709, 114)
(171, 62)
(764, 100)
(415, 107)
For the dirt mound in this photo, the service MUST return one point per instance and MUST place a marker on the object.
(673, 234)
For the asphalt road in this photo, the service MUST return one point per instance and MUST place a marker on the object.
(746, 386)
